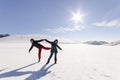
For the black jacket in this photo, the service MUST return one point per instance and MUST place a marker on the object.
(54, 47)
(35, 44)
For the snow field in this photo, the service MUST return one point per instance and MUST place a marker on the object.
(75, 62)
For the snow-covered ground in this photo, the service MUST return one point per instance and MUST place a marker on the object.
(75, 61)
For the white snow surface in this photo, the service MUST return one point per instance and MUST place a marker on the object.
(75, 61)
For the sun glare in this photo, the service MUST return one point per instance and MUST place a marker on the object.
(77, 17)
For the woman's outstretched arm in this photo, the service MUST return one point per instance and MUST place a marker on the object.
(59, 47)
(31, 48)
(48, 41)
(39, 40)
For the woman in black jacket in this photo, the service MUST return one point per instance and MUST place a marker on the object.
(54, 46)
(39, 46)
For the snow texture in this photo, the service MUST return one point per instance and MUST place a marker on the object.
(75, 61)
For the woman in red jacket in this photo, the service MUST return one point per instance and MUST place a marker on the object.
(39, 46)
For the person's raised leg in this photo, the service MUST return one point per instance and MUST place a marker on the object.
(46, 48)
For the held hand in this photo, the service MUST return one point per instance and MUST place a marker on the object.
(43, 39)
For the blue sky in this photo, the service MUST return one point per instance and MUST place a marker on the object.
(99, 19)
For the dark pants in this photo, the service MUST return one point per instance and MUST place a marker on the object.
(55, 57)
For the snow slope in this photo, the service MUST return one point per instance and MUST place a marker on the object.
(115, 43)
(26, 38)
(75, 62)
(96, 42)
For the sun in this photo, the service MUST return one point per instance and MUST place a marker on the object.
(77, 17)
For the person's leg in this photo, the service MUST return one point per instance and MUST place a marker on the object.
(55, 59)
(39, 54)
(49, 57)
(46, 48)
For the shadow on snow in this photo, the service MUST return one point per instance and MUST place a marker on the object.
(34, 74)
(16, 72)
(3, 69)
(40, 73)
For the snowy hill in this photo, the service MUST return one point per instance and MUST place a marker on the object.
(115, 43)
(103, 43)
(75, 61)
(26, 38)
(4, 35)
(96, 42)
